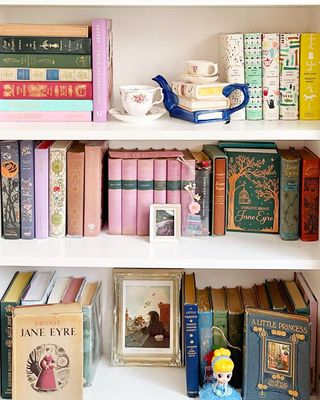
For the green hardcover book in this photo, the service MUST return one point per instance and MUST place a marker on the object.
(220, 317)
(11, 298)
(289, 194)
(45, 61)
(253, 189)
(92, 340)
(299, 304)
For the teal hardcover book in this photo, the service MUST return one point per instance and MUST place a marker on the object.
(277, 356)
(253, 189)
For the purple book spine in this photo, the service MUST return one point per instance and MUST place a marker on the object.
(27, 188)
(102, 68)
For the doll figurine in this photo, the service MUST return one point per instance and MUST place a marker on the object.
(222, 367)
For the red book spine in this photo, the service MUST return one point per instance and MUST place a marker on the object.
(219, 200)
(309, 201)
(46, 90)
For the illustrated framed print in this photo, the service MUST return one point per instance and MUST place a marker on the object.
(165, 223)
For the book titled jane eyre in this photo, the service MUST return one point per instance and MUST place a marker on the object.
(253, 187)
(276, 360)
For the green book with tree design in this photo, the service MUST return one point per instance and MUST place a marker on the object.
(253, 187)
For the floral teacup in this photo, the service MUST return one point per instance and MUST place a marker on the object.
(137, 100)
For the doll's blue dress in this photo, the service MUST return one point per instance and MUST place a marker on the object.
(215, 391)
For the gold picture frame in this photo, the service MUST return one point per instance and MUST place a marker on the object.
(146, 318)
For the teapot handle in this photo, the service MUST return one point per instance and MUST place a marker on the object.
(228, 90)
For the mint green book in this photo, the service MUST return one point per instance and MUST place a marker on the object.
(45, 61)
(220, 318)
(46, 105)
(92, 340)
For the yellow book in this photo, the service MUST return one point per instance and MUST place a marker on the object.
(310, 76)
(18, 285)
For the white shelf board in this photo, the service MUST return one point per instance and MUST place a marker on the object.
(165, 128)
(162, 3)
(233, 251)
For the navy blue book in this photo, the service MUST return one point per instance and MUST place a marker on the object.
(191, 336)
(27, 188)
(277, 356)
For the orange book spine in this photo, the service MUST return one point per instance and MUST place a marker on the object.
(44, 30)
(219, 221)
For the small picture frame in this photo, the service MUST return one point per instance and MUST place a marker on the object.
(146, 329)
(165, 223)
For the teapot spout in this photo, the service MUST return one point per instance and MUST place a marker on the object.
(170, 100)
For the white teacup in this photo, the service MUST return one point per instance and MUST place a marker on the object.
(202, 68)
(137, 100)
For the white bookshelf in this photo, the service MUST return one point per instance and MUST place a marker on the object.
(155, 37)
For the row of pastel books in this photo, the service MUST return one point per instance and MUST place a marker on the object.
(71, 82)
(282, 71)
(52, 188)
(48, 322)
(235, 186)
(270, 329)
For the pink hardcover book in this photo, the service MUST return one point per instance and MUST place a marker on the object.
(190, 221)
(144, 195)
(150, 153)
(114, 196)
(129, 196)
(52, 116)
(73, 290)
(102, 68)
(173, 181)
(41, 178)
(94, 158)
(160, 181)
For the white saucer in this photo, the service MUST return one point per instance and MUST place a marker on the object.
(152, 115)
(199, 79)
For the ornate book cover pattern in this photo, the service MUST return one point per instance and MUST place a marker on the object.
(270, 65)
(27, 188)
(203, 190)
(310, 76)
(277, 347)
(46, 74)
(10, 185)
(57, 189)
(289, 75)
(44, 30)
(253, 74)
(253, 191)
(45, 61)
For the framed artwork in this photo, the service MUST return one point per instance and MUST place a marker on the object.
(165, 223)
(146, 317)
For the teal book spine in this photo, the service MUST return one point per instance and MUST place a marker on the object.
(205, 339)
(277, 356)
(253, 74)
(45, 61)
(46, 105)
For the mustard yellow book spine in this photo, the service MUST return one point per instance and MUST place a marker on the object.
(310, 76)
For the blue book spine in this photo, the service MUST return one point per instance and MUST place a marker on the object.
(205, 339)
(46, 105)
(27, 188)
(191, 349)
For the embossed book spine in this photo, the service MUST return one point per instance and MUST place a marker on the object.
(173, 181)
(114, 196)
(53, 116)
(190, 217)
(44, 45)
(46, 90)
(44, 30)
(253, 74)
(289, 195)
(93, 193)
(270, 65)
(58, 188)
(75, 190)
(10, 185)
(231, 66)
(129, 196)
(309, 104)
(27, 189)
(45, 61)
(41, 180)
(144, 195)
(46, 74)
(289, 75)
(160, 181)
(102, 68)
(203, 192)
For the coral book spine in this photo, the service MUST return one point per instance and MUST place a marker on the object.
(129, 197)
(219, 201)
(160, 181)
(114, 196)
(144, 195)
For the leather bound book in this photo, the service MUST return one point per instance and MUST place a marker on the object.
(262, 296)
(309, 195)
(298, 302)
(274, 293)
(144, 195)
(249, 297)
(285, 297)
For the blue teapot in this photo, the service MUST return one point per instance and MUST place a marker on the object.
(171, 103)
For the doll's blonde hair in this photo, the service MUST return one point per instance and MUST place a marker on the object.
(221, 361)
